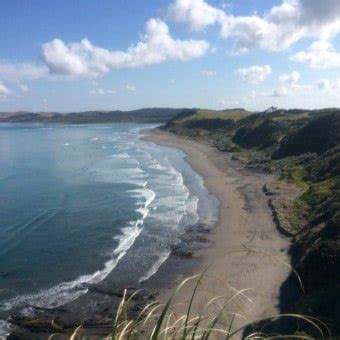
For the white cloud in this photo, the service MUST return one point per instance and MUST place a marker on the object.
(113, 92)
(255, 74)
(25, 71)
(290, 79)
(84, 59)
(281, 91)
(208, 73)
(285, 91)
(4, 91)
(288, 86)
(196, 13)
(324, 84)
(130, 88)
(320, 54)
(331, 88)
(276, 30)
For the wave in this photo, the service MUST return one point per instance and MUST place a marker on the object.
(157, 166)
(154, 269)
(69, 291)
(148, 195)
(135, 176)
(4, 329)
(120, 155)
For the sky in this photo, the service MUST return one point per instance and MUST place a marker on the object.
(72, 55)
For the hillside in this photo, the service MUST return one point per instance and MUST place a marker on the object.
(149, 115)
(304, 147)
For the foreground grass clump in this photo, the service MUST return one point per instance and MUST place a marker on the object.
(221, 317)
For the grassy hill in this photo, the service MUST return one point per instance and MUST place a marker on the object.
(151, 115)
(304, 146)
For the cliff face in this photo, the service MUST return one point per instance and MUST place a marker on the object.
(305, 147)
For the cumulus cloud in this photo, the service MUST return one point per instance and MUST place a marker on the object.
(196, 13)
(276, 30)
(255, 74)
(290, 79)
(289, 85)
(321, 54)
(281, 91)
(4, 91)
(331, 88)
(84, 59)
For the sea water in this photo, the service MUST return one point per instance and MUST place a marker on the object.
(78, 203)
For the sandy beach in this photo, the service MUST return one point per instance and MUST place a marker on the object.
(247, 252)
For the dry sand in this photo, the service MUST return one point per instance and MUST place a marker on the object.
(245, 224)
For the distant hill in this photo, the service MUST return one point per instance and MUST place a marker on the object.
(149, 115)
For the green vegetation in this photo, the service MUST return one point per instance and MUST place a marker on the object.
(304, 147)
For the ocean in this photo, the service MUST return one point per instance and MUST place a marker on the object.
(79, 203)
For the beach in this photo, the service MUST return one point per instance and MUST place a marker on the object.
(248, 252)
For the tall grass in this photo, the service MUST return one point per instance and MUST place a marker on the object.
(221, 317)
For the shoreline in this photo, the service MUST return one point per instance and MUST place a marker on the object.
(244, 222)
(247, 250)
(95, 309)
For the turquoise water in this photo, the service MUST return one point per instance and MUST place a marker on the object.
(81, 202)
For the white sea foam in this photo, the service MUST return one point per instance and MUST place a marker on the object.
(120, 155)
(134, 176)
(153, 270)
(145, 209)
(147, 195)
(69, 291)
(66, 144)
(4, 329)
(157, 166)
(93, 139)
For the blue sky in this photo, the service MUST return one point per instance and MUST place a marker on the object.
(72, 55)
